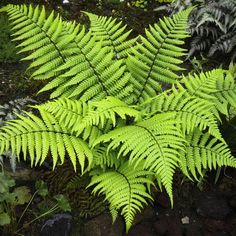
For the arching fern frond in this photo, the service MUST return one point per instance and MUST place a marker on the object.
(157, 58)
(90, 118)
(112, 34)
(70, 113)
(104, 159)
(42, 35)
(191, 111)
(92, 74)
(213, 27)
(77, 64)
(125, 189)
(217, 86)
(154, 141)
(204, 152)
(109, 108)
(36, 137)
(225, 44)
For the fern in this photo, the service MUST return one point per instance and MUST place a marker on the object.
(125, 189)
(213, 26)
(204, 152)
(190, 110)
(47, 35)
(155, 140)
(35, 136)
(216, 86)
(111, 34)
(156, 59)
(110, 116)
(68, 56)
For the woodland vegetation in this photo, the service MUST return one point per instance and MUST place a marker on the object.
(123, 115)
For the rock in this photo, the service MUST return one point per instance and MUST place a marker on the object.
(185, 220)
(143, 229)
(59, 225)
(102, 226)
(212, 205)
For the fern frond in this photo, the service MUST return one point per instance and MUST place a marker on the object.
(104, 159)
(154, 141)
(70, 113)
(78, 65)
(191, 111)
(224, 44)
(109, 108)
(204, 152)
(36, 137)
(92, 74)
(217, 86)
(156, 59)
(41, 34)
(199, 43)
(112, 34)
(125, 189)
(213, 26)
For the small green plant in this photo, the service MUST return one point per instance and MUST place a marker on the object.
(112, 116)
(12, 197)
(8, 51)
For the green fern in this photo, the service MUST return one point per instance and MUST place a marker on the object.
(111, 115)
(156, 59)
(125, 189)
(35, 136)
(111, 34)
(191, 111)
(41, 35)
(216, 86)
(69, 56)
(155, 140)
(204, 152)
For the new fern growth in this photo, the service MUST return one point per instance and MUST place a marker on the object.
(111, 117)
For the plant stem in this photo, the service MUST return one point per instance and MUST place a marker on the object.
(40, 216)
(23, 213)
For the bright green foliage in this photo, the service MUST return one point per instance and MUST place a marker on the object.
(154, 141)
(204, 152)
(37, 136)
(216, 86)
(68, 55)
(156, 59)
(112, 117)
(124, 188)
(111, 34)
